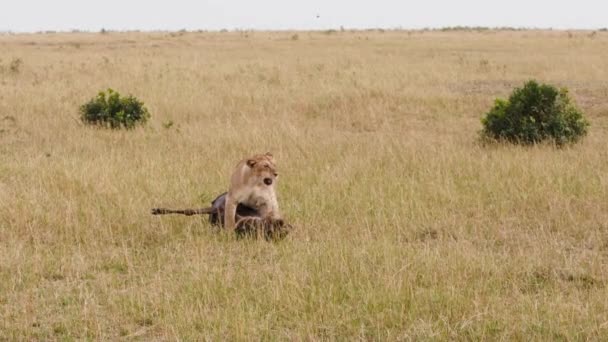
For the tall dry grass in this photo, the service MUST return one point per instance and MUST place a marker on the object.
(407, 228)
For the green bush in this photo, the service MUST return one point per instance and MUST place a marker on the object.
(111, 110)
(535, 113)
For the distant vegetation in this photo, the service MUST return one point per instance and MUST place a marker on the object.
(479, 28)
(535, 113)
(111, 110)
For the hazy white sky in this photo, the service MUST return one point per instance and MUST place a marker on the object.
(39, 15)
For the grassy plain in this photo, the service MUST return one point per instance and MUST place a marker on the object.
(407, 228)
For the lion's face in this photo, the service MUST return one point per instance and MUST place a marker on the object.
(263, 170)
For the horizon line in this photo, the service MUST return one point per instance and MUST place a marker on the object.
(338, 29)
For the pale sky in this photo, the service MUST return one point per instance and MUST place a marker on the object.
(63, 15)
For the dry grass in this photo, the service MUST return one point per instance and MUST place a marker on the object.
(407, 227)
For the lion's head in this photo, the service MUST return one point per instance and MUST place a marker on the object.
(263, 170)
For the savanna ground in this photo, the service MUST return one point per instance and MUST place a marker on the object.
(407, 227)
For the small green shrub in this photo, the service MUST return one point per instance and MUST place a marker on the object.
(111, 110)
(535, 113)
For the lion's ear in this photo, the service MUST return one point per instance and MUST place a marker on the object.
(270, 156)
(251, 162)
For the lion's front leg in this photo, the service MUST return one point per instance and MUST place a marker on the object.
(270, 209)
(230, 213)
(275, 213)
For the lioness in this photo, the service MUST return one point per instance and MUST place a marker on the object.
(253, 184)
